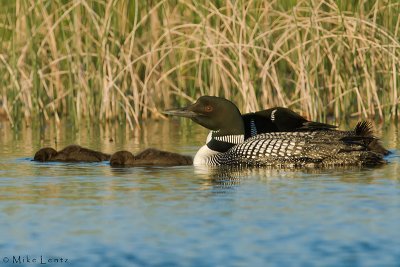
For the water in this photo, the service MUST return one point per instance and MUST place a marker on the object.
(93, 215)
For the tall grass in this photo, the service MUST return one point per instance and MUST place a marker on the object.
(127, 60)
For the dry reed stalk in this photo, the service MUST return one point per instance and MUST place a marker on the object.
(127, 60)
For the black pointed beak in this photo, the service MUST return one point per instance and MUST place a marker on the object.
(181, 112)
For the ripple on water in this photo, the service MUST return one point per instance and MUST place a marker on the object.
(95, 215)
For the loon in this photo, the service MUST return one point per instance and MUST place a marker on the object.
(279, 119)
(71, 153)
(149, 157)
(227, 145)
(276, 119)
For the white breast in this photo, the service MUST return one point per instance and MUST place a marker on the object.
(202, 156)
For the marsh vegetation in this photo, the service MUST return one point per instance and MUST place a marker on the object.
(127, 60)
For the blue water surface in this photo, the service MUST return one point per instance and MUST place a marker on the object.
(93, 215)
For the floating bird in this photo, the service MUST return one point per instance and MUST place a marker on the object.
(71, 153)
(149, 157)
(313, 147)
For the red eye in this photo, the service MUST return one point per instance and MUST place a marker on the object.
(208, 108)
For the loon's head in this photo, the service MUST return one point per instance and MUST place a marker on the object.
(215, 113)
(220, 116)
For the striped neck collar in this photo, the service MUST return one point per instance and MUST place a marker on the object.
(222, 143)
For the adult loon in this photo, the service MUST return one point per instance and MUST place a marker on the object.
(149, 157)
(276, 119)
(226, 144)
(71, 153)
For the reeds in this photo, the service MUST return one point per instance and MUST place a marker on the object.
(127, 60)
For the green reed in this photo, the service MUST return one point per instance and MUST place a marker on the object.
(129, 60)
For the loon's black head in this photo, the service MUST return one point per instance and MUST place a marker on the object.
(215, 113)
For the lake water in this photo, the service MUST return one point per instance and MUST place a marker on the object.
(93, 215)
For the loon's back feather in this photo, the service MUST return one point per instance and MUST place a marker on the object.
(300, 149)
(361, 135)
(364, 128)
(313, 125)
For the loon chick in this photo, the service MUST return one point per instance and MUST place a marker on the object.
(71, 153)
(226, 144)
(149, 157)
(279, 119)
(276, 119)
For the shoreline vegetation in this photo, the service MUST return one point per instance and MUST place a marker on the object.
(121, 60)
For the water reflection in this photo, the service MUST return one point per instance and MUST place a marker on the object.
(230, 176)
(101, 216)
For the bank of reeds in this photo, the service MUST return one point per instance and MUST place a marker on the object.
(126, 60)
